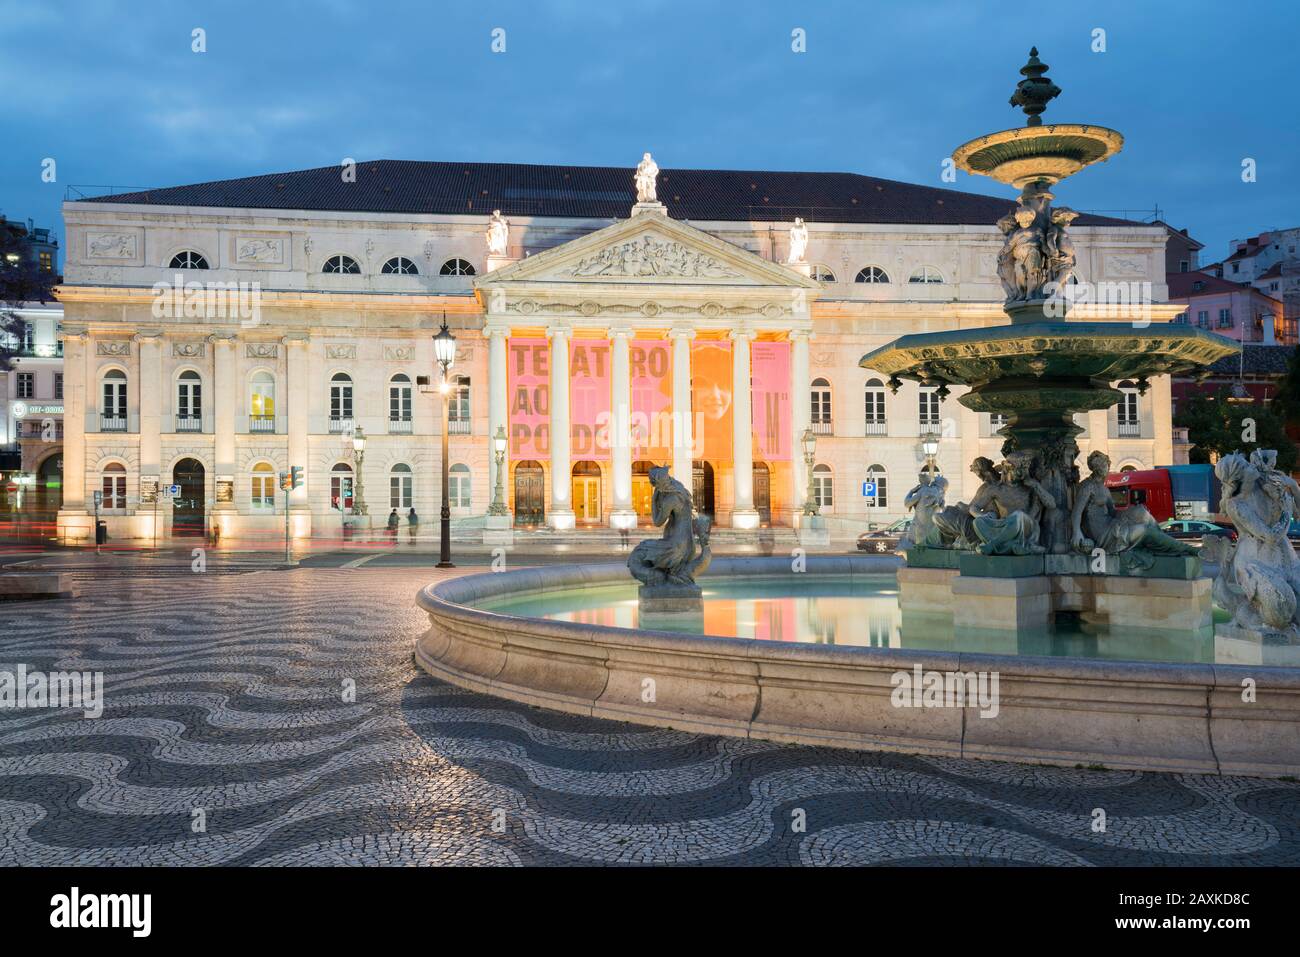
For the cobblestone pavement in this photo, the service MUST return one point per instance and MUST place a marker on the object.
(224, 708)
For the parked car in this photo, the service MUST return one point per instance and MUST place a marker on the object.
(884, 541)
(1196, 531)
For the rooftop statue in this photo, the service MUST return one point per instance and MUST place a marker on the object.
(646, 171)
(498, 234)
(1007, 511)
(674, 559)
(1259, 579)
(798, 242)
(1096, 523)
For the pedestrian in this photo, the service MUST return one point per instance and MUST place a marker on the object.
(624, 536)
(393, 522)
(412, 524)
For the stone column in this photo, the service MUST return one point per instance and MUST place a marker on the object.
(149, 400)
(74, 524)
(560, 514)
(297, 398)
(683, 421)
(623, 515)
(1161, 399)
(743, 513)
(225, 406)
(498, 405)
(800, 418)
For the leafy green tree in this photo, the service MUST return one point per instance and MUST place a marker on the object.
(1287, 400)
(1216, 427)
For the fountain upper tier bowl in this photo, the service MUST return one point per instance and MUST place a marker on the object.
(1037, 154)
(1048, 352)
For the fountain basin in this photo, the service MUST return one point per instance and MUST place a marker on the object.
(1154, 715)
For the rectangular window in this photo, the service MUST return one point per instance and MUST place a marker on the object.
(399, 403)
(929, 408)
(29, 337)
(114, 491)
(458, 488)
(458, 408)
(46, 261)
(263, 493)
(58, 385)
(1225, 318)
(341, 402)
(26, 385)
(399, 491)
(1203, 318)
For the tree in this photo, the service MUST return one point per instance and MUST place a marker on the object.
(1287, 400)
(21, 280)
(1216, 427)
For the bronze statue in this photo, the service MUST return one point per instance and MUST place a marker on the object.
(1096, 522)
(672, 559)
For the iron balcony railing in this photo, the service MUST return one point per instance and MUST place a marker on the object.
(261, 423)
(112, 423)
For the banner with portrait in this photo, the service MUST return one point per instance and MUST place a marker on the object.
(711, 399)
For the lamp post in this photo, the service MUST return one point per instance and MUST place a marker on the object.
(444, 350)
(930, 446)
(498, 506)
(809, 442)
(359, 486)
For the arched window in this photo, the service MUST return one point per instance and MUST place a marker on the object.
(456, 267)
(341, 264)
(341, 486)
(875, 402)
(821, 273)
(261, 402)
(821, 407)
(1128, 468)
(400, 266)
(1127, 413)
(458, 486)
(926, 274)
(928, 407)
(113, 409)
(340, 402)
(823, 486)
(458, 417)
(262, 487)
(187, 259)
(399, 486)
(189, 402)
(113, 488)
(399, 403)
(877, 478)
(871, 274)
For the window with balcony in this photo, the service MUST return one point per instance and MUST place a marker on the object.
(1127, 413)
(189, 402)
(112, 409)
(875, 401)
(821, 407)
(341, 402)
(261, 402)
(928, 408)
(458, 412)
(1225, 318)
(399, 403)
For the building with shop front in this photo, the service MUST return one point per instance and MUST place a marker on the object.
(218, 334)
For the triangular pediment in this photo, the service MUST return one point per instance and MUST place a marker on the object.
(648, 248)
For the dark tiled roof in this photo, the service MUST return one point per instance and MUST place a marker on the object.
(596, 192)
(1182, 285)
(1256, 360)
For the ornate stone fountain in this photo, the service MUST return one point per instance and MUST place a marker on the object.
(1036, 540)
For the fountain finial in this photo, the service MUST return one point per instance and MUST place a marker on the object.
(1033, 92)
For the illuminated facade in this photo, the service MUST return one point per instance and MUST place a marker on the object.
(600, 333)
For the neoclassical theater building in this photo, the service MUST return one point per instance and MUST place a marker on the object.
(218, 334)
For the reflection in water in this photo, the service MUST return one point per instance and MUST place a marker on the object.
(863, 611)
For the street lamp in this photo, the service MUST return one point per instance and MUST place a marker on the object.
(930, 446)
(444, 350)
(809, 443)
(498, 506)
(359, 448)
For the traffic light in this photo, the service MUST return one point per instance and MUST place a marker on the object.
(296, 476)
(284, 481)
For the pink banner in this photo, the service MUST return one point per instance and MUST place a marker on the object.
(651, 362)
(589, 399)
(711, 399)
(770, 373)
(528, 378)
